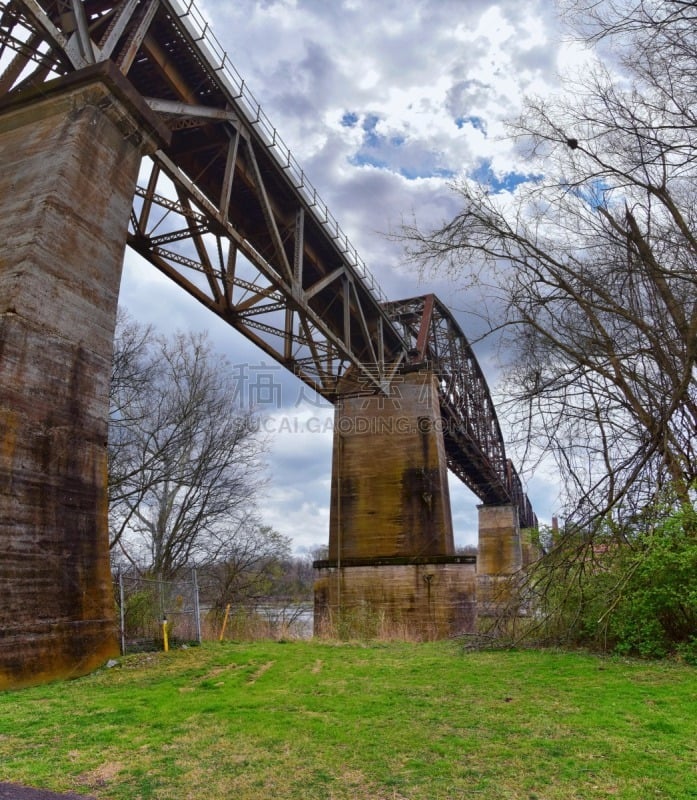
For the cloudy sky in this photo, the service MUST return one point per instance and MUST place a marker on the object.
(382, 104)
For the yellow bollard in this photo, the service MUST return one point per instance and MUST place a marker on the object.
(165, 639)
(222, 630)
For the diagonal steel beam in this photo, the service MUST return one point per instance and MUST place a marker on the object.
(137, 36)
(81, 37)
(269, 216)
(50, 32)
(120, 22)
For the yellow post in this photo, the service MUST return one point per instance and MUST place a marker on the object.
(222, 630)
(165, 639)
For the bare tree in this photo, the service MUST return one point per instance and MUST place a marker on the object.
(249, 567)
(184, 458)
(591, 264)
(133, 465)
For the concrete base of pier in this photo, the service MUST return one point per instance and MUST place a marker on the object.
(429, 600)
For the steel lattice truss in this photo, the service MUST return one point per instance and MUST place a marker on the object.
(226, 212)
(473, 440)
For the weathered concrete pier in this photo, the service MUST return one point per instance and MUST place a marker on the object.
(69, 158)
(391, 550)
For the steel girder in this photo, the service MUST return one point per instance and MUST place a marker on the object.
(227, 213)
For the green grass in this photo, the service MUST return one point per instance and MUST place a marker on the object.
(329, 721)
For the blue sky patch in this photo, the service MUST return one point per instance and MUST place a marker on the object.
(371, 138)
(426, 171)
(391, 152)
(476, 122)
(595, 193)
(349, 119)
(507, 183)
(365, 159)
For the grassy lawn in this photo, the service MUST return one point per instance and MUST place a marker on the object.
(349, 721)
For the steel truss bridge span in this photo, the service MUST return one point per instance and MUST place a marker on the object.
(226, 212)
(473, 441)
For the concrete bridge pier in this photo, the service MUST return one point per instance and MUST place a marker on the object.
(499, 560)
(69, 159)
(392, 566)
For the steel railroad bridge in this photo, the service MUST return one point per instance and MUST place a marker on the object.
(222, 208)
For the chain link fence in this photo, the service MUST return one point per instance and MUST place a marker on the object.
(148, 606)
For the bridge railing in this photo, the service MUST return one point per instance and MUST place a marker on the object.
(218, 60)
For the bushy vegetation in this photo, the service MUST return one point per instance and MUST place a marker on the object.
(632, 590)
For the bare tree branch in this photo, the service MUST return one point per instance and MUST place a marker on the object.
(184, 459)
(592, 264)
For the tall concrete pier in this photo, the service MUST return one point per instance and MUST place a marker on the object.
(499, 560)
(390, 492)
(391, 554)
(69, 159)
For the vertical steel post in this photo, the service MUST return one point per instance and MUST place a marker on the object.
(197, 608)
(122, 614)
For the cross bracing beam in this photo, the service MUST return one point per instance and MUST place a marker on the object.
(226, 212)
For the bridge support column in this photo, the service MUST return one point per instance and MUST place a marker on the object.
(69, 159)
(390, 492)
(499, 559)
(392, 560)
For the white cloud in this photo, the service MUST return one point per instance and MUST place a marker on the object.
(296, 500)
